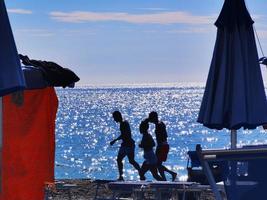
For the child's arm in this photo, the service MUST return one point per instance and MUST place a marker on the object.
(115, 140)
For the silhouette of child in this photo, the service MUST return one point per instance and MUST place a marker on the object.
(162, 149)
(147, 144)
(127, 146)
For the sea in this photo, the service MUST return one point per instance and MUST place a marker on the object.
(85, 127)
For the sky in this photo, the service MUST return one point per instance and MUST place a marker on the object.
(125, 41)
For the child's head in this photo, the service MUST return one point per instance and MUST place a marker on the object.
(153, 117)
(144, 126)
(117, 116)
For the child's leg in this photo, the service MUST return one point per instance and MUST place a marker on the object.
(143, 170)
(120, 157)
(154, 171)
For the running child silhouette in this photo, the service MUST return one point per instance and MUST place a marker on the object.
(127, 146)
(147, 144)
(162, 149)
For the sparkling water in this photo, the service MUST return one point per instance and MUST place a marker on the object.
(85, 127)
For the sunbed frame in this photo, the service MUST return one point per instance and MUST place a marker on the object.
(246, 154)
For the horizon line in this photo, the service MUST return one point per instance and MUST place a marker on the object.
(141, 85)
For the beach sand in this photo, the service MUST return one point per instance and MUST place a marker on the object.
(85, 189)
(79, 189)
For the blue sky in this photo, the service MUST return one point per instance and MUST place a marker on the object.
(125, 41)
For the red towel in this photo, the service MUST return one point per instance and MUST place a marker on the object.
(28, 144)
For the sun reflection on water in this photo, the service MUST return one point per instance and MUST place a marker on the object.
(85, 127)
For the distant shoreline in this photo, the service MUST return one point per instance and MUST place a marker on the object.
(144, 85)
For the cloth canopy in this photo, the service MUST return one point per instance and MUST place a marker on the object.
(11, 77)
(50, 72)
(234, 95)
(234, 13)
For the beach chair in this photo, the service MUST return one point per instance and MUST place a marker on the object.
(243, 171)
(195, 172)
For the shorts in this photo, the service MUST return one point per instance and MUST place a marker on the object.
(126, 151)
(150, 157)
(162, 152)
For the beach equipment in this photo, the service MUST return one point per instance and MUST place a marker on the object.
(263, 60)
(28, 144)
(29, 139)
(243, 171)
(11, 77)
(234, 96)
(27, 120)
(195, 172)
(51, 72)
(161, 190)
(129, 188)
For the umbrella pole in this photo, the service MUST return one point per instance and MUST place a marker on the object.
(233, 139)
(1, 142)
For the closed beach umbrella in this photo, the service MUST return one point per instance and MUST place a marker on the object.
(234, 95)
(11, 77)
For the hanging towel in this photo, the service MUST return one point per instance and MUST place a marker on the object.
(28, 144)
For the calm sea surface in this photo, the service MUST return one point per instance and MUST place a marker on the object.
(85, 127)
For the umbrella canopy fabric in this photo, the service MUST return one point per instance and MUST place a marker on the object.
(234, 13)
(11, 76)
(234, 96)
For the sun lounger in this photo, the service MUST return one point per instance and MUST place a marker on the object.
(158, 190)
(98, 184)
(243, 171)
(177, 190)
(93, 188)
(66, 186)
(134, 189)
(195, 171)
